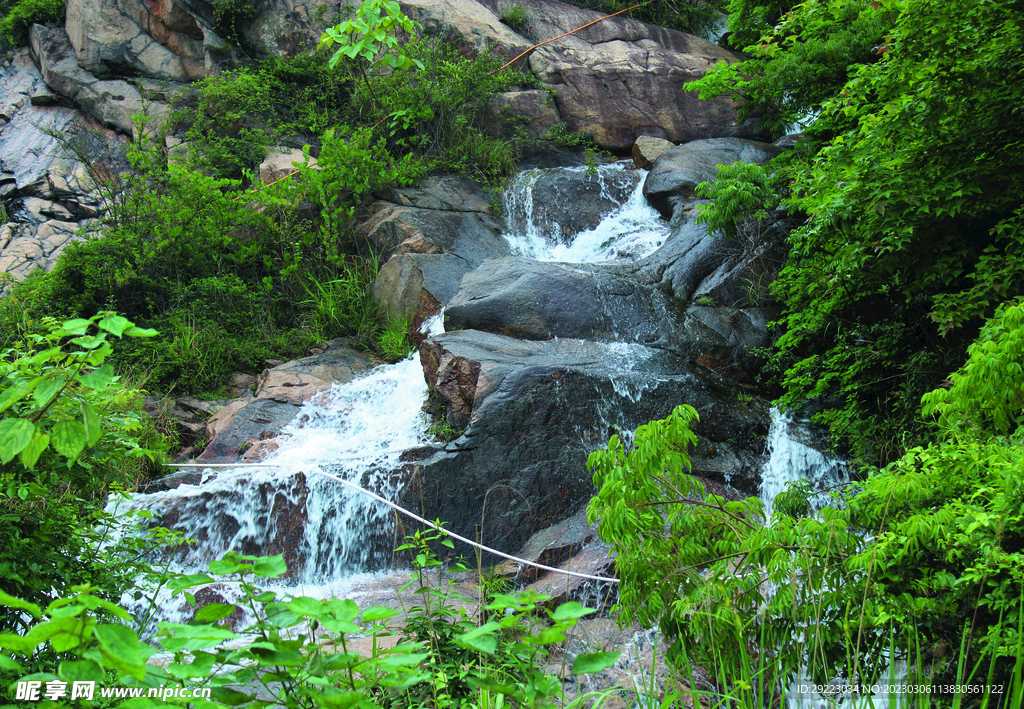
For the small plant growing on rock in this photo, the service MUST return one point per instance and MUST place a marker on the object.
(517, 18)
(444, 431)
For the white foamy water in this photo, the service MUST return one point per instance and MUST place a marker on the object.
(790, 460)
(632, 231)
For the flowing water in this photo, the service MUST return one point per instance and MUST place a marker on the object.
(628, 232)
(791, 459)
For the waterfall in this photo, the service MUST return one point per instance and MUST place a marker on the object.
(630, 231)
(356, 430)
(791, 459)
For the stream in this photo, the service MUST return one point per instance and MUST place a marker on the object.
(361, 430)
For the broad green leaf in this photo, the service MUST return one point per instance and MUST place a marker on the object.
(594, 662)
(93, 427)
(269, 566)
(114, 324)
(122, 649)
(47, 388)
(572, 609)
(68, 438)
(15, 435)
(75, 327)
(372, 615)
(214, 612)
(39, 443)
(99, 378)
(10, 601)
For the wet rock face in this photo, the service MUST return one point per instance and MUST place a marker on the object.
(245, 425)
(578, 201)
(432, 236)
(540, 408)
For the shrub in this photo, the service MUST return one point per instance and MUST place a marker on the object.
(297, 649)
(22, 14)
(436, 109)
(70, 433)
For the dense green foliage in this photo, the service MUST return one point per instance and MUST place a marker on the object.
(908, 184)
(16, 16)
(71, 433)
(298, 650)
(925, 558)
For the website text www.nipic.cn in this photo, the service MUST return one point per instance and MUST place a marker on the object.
(34, 691)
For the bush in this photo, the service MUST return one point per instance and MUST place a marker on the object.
(22, 14)
(70, 434)
(699, 17)
(297, 649)
(436, 108)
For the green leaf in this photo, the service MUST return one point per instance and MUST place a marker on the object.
(93, 427)
(77, 326)
(372, 615)
(45, 391)
(122, 649)
(10, 601)
(39, 443)
(269, 566)
(481, 639)
(114, 324)
(99, 378)
(214, 612)
(68, 438)
(572, 609)
(135, 331)
(15, 435)
(594, 662)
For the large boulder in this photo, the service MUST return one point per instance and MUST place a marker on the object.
(616, 80)
(539, 408)
(112, 102)
(534, 300)
(121, 37)
(569, 201)
(672, 181)
(434, 234)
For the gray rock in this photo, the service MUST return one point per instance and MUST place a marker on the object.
(569, 202)
(674, 176)
(534, 300)
(112, 102)
(616, 80)
(434, 235)
(532, 111)
(539, 409)
(647, 149)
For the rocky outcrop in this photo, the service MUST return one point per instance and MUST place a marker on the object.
(49, 195)
(434, 234)
(112, 102)
(616, 80)
(540, 407)
(122, 38)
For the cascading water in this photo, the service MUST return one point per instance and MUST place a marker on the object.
(631, 231)
(357, 431)
(791, 460)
